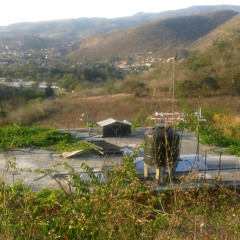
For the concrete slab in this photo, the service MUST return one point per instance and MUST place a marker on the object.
(22, 163)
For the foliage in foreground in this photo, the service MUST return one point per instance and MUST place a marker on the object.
(221, 131)
(211, 134)
(14, 136)
(116, 205)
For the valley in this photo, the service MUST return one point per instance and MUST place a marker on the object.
(66, 85)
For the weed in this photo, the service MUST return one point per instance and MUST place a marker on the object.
(15, 136)
(117, 206)
(113, 204)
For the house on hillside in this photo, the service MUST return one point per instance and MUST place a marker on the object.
(114, 128)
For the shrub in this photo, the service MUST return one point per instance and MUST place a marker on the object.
(118, 207)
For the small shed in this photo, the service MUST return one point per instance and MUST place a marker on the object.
(114, 128)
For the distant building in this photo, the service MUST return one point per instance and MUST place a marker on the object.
(42, 85)
(3, 62)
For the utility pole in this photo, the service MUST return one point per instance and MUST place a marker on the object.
(173, 87)
(173, 97)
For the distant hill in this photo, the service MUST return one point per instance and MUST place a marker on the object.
(220, 32)
(211, 70)
(24, 43)
(195, 10)
(162, 38)
(74, 30)
(214, 63)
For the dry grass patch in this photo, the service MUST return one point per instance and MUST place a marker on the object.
(65, 112)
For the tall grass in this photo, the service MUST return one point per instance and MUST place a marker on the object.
(113, 204)
(65, 111)
(120, 207)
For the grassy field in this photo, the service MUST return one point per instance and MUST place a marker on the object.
(66, 111)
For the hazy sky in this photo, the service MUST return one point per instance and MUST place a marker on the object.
(13, 11)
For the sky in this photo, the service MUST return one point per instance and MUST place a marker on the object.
(15, 11)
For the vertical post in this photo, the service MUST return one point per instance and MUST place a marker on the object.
(160, 175)
(88, 126)
(205, 165)
(146, 167)
(198, 146)
(219, 165)
(173, 96)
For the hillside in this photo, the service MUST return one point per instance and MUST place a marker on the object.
(211, 70)
(25, 43)
(73, 30)
(219, 33)
(162, 38)
(214, 65)
(211, 74)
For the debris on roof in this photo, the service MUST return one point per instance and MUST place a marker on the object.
(70, 154)
(104, 147)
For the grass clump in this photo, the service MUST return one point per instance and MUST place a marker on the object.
(221, 132)
(15, 136)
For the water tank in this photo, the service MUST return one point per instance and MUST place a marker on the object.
(162, 147)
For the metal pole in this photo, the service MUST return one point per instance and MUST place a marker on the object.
(173, 96)
(219, 165)
(205, 166)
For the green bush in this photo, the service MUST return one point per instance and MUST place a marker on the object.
(210, 134)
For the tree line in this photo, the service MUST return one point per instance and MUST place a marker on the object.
(67, 77)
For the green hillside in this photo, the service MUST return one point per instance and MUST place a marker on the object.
(215, 66)
(211, 69)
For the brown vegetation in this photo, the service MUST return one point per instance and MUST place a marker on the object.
(163, 37)
(65, 112)
(209, 78)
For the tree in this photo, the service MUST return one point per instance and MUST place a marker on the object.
(222, 49)
(49, 92)
(69, 81)
(139, 89)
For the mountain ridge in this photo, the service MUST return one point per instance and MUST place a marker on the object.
(162, 37)
(74, 30)
(100, 38)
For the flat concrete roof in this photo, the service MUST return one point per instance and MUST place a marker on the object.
(21, 164)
